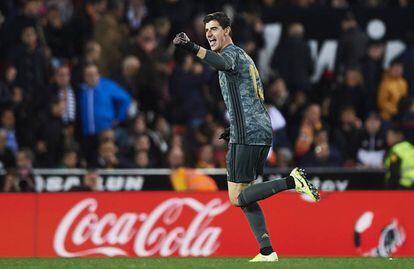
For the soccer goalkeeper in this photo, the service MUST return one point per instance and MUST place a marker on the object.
(250, 133)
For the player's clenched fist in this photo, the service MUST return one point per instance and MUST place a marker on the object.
(181, 40)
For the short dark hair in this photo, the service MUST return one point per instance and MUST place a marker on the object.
(221, 17)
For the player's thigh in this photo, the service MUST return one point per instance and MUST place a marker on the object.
(245, 162)
(234, 191)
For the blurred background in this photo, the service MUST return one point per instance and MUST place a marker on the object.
(94, 97)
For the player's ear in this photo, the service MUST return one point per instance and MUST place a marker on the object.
(227, 31)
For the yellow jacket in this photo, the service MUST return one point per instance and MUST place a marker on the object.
(391, 90)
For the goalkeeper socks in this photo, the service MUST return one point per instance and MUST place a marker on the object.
(266, 250)
(255, 216)
(264, 190)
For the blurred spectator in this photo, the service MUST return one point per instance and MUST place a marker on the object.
(91, 55)
(248, 32)
(111, 33)
(399, 161)
(371, 67)
(150, 80)
(24, 178)
(141, 159)
(392, 88)
(108, 156)
(346, 136)
(88, 183)
(83, 21)
(371, 148)
(292, 59)
(278, 94)
(311, 123)
(27, 17)
(62, 88)
(205, 157)
(32, 67)
(323, 153)
(49, 135)
(8, 122)
(352, 45)
(127, 77)
(350, 93)
(7, 159)
(56, 34)
(70, 159)
(103, 104)
(186, 90)
(135, 13)
(407, 59)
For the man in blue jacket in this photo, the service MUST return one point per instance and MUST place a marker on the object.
(103, 104)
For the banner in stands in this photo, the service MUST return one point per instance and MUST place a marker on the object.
(143, 224)
(337, 179)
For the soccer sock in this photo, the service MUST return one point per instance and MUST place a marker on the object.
(263, 190)
(257, 223)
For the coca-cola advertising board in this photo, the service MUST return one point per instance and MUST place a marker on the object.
(142, 224)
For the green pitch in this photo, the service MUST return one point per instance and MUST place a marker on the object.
(204, 263)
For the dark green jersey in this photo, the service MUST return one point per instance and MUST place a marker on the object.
(242, 90)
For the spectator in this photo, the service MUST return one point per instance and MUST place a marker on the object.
(110, 33)
(219, 147)
(108, 156)
(186, 90)
(352, 45)
(83, 22)
(371, 148)
(103, 104)
(407, 59)
(392, 88)
(206, 157)
(8, 122)
(32, 68)
(278, 94)
(88, 183)
(24, 173)
(323, 153)
(70, 159)
(135, 13)
(372, 70)
(350, 93)
(28, 16)
(91, 55)
(346, 136)
(49, 135)
(292, 59)
(141, 159)
(62, 88)
(56, 35)
(127, 77)
(311, 123)
(7, 159)
(399, 161)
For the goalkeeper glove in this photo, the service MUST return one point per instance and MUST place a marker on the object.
(182, 41)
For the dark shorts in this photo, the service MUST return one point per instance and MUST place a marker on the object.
(245, 162)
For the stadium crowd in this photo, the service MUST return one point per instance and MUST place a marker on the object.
(98, 84)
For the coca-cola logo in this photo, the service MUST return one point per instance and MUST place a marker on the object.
(162, 231)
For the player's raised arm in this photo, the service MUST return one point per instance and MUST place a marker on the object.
(214, 59)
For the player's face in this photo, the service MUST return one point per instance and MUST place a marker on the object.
(216, 35)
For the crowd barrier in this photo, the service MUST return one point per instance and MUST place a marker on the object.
(326, 179)
(142, 224)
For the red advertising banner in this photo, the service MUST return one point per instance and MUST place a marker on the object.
(142, 224)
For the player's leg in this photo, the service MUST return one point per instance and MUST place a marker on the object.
(296, 180)
(239, 166)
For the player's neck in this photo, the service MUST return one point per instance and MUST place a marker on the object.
(226, 44)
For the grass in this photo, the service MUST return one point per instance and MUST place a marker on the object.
(203, 263)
